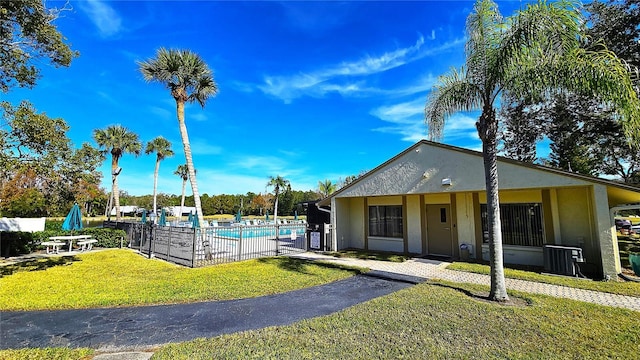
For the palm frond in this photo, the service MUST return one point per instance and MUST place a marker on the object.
(160, 146)
(183, 72)
(453, 92)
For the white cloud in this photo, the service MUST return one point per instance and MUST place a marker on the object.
(198, 117)
(103, 16)
(202, 147)
(460, 126)
(407, 119)
(331, 79)
(161, 112)
(402, 113)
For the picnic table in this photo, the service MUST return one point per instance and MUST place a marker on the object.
(84, 241)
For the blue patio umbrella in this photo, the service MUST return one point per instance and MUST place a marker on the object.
(190, 218)
(295, 215)
(266, 218)
(144, 217)
(239, 216)
(196, 222)
(73, 221)
(163, 218)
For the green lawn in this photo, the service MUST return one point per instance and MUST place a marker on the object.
(431, 321)
(613, 287)
(46, 354)
(123, 278)
(437, 321)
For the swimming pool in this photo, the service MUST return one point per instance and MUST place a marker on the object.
(258, 232)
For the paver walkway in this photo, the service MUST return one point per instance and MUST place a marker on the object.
(431, 269)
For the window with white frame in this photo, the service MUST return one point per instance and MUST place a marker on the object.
(385, 221)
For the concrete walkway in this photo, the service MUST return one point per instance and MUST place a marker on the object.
(431, 269)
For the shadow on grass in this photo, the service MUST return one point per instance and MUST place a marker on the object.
(301, 265)
(37, 265)
(483, 296)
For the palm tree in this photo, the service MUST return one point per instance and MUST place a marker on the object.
(189, 79)
(326, 188)
(537, 51)
(278, 183)
(162, 148)
(117, 140)
(183, 172)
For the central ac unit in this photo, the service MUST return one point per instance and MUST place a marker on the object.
(562, 260)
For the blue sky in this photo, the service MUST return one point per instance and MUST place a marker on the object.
(307, 90)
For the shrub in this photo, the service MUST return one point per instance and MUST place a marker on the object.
(107, 238)
(16, 243)
(53, 225)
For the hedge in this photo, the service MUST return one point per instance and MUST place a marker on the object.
(16, 243)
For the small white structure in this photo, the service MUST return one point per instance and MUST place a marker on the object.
(125, 210)
(186, 210)
(22, 224)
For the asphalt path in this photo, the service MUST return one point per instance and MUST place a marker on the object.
(143, 327)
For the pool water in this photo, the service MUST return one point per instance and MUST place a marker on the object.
(256, 233)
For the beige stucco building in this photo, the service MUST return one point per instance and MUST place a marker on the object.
(430, 199)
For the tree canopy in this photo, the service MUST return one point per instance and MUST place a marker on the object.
(41, 173)
(584, 131)
(537, 51)
(28, 36)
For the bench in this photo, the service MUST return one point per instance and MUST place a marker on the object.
(86, 245)
(53, 244)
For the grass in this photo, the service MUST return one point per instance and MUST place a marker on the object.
(436, 321)
(119, 277)
(47, 353)
(368, 255)
(613, 287)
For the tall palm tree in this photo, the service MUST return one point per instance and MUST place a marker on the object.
(537, 51)
(162, 148)
(326, 187)
(117, 140)
(189, 79)
(279, 184)
(183, 172)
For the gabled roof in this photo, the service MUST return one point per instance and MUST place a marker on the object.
(458, 151)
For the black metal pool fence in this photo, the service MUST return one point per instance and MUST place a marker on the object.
(197, 247)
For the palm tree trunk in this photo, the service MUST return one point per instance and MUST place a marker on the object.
(487, 129)
(114, 187)
(155, 185)
(191, 168)
(275, 209)
(184, 187)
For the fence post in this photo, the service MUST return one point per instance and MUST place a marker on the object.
(168, 245)
(194, 247)
(239, 255)
(150, 239)
(277, 239)
(193, 250)
(143, 236)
